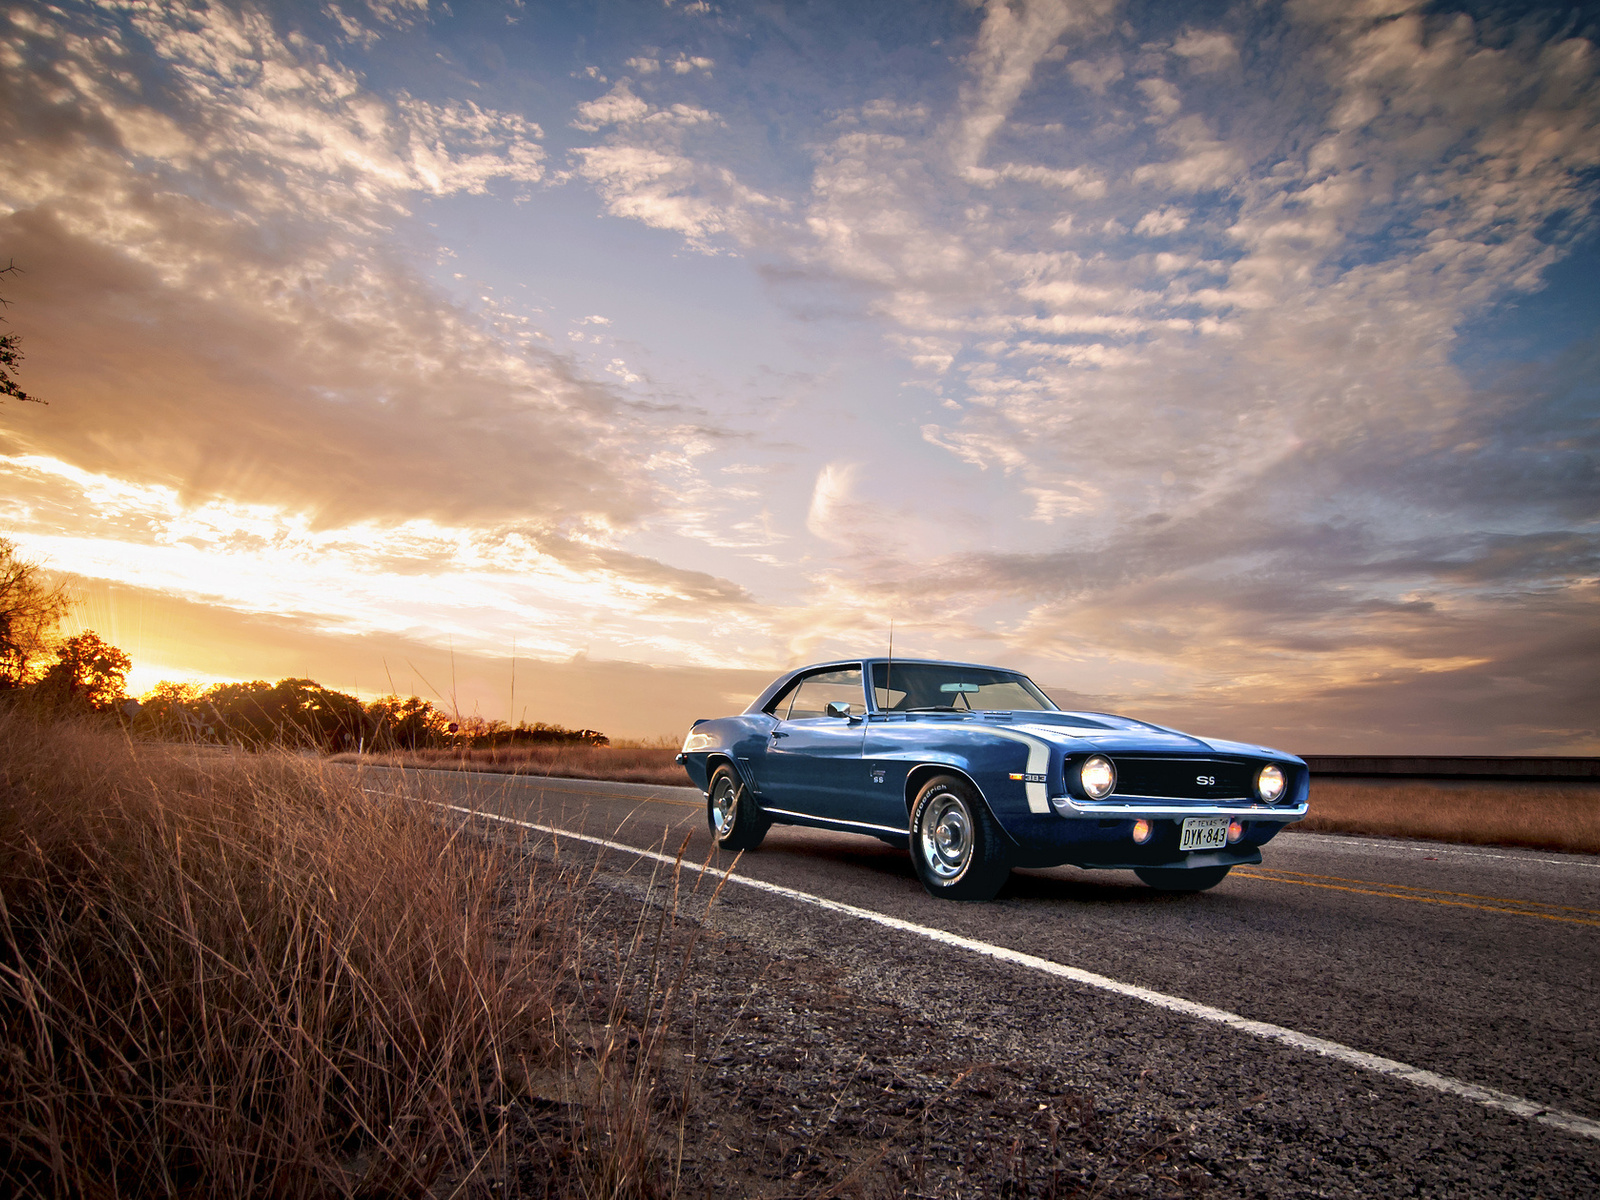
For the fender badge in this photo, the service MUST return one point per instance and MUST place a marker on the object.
(1027, 778)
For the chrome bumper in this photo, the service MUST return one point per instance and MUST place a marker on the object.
(1158, 806)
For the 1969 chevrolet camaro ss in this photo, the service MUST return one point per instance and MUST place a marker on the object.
(977, 771)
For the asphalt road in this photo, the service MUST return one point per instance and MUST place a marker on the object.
(1478, 964)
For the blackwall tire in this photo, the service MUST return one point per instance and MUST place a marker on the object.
(956, 846)
(1179, 879)
(735, 822)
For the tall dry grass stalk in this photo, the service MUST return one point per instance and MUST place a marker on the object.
(242, 975)
(638, 1103)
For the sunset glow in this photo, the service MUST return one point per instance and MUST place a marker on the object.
(1232, 367)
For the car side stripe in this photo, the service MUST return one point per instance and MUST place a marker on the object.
(1038, 764)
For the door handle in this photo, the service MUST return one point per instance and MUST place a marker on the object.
(778, 733)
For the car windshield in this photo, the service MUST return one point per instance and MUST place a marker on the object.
(908, 687)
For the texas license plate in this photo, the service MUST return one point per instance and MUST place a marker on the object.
(1204, 833)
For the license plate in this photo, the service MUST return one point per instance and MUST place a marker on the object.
(1204, 833)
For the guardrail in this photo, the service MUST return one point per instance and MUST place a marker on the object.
(1522, 768)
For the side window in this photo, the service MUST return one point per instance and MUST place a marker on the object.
(780, 706)
(888, 699)
(812, 695)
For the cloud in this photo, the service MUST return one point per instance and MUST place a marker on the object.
(1206, 50)
(237, 246)
(1097, 75)
(668, 190)
(171, 637)
(1281, 483)
(476, 585)
(619, 106)
(258, 393)
(832, 500)
(645, 171)
(1010, 44)
(1161, 221)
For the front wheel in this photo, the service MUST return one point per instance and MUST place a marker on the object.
(735, 823)
(1179, 879)
(956, 847)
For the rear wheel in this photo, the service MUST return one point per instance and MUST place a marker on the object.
(735, 823)
(957, 848)
(1179, 879)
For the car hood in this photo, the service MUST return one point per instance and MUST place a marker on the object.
(1106, 731)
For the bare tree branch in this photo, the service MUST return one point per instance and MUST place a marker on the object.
(10, 355)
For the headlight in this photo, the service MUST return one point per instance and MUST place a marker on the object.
(1098, 776)
(1270, 783)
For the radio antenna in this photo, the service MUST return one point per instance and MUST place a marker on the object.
(888, 671)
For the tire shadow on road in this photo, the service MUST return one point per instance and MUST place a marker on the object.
(1058, 885)
(1119, 888)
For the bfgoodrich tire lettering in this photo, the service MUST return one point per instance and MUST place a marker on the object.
(735, 822)
(956, 847)
(1180, 879)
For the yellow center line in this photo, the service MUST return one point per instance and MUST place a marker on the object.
(1276, 871)
(1334, 887)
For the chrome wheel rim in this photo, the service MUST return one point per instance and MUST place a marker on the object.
(945, 834)
(723, 805)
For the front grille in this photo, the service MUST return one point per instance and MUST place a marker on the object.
(1184, 778)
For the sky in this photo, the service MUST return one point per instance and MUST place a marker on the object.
(1228, 365)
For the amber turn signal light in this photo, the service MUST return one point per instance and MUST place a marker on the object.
(1235, 831)
(1141, 832)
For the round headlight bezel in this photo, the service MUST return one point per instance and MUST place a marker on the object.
(1264, 777)
(1107, 776)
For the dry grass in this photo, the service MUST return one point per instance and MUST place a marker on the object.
(624, 764)
(241, 975)
(1547, 816)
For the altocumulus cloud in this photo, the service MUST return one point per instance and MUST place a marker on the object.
(260, 396)
(1195, 292)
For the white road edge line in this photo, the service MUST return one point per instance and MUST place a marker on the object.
(1489, 1097)
(1398, 846)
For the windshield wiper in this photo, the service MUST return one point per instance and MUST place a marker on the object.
(934, 708)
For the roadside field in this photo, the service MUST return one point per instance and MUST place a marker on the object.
(234, 974)
(1542, 816)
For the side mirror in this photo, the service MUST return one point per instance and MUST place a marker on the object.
(837, 708)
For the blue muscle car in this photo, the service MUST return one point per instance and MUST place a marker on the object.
(976, 771)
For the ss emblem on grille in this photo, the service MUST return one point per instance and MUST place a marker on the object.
(1206, 780)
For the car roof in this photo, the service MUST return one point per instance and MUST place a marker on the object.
(868, 662)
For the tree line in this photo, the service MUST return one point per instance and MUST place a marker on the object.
(87, 675)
